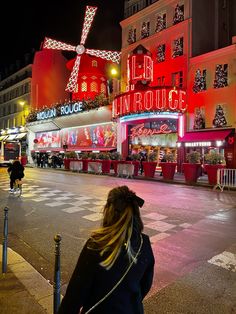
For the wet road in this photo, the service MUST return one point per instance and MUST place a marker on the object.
(188, 227)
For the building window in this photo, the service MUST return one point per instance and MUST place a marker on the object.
(221, 76)
(103, 88)
(94, 87)
(178, 47)
(131, 36)
(9, 109)
(84, 87)
(177, 79)
(161, 22)
(199, 81)
(161, 81)
(94, 63)
(219, 120)
(199, 118)
(179, 14)
(145, 30)
(161, 53)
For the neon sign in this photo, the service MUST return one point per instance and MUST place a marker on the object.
(140, 130)
(156, 99)
(46, 114)
(63, 110)
(71, 108)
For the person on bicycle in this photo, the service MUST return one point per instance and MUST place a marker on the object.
(16, 172)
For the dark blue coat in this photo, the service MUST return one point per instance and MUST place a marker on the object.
(90, 282)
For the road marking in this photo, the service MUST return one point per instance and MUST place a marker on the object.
(226, 260)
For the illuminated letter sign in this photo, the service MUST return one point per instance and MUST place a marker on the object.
(139, 68)
(47, 114)
(165, 99)
(71, 108)
(140, 130)
(148, 68)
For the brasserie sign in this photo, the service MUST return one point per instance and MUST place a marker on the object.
(63, 110)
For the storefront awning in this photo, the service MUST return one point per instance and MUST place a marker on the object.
(205, 136)
(11, 137)
(21, 135)
(42, 126)
(3, 137)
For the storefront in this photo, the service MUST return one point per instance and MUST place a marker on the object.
(13, 144)
(220, 140)
(149, 120)
(71, 128)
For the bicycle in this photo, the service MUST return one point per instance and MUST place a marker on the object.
(18, 186)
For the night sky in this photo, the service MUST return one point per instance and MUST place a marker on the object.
(26, 23)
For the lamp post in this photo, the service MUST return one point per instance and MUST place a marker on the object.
(113, 82)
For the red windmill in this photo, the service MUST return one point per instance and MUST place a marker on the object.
(113, 56)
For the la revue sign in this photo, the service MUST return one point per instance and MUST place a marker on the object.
(149, 100)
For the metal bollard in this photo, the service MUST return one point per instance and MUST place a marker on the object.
(5, 235)
(57, 275)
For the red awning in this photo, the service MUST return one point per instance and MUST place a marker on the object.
(204, 136)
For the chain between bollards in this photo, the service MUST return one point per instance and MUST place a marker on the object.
(57, 275)
(4, 247)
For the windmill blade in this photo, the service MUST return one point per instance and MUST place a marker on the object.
(72, 84)
(88, 19)
(55, 44)
(114, 56)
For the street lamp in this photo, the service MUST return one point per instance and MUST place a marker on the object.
(113, 82)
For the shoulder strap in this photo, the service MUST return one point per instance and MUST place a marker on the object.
(121, 279)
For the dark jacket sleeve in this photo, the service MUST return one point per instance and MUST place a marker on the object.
(9, 169)
(79, 284)
(146, 281)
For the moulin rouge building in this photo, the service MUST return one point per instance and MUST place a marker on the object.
(178, 78)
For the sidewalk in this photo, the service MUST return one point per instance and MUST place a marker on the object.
(23, 289)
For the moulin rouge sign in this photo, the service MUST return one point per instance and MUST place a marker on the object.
(148, 99)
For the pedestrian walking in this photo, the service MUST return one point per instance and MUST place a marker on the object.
(16, 172)
(142, 158)
(114, 271)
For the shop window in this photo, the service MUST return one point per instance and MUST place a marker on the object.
(199, 81)
(178, 14)
(94, 87)
(178, 47)
(131, 36)
(161, 53)
(161, 81)
(221, 76)
(103, 88)
(177, 79)
(145, 29)
(84, 87)
(94, 63)
(160, 22)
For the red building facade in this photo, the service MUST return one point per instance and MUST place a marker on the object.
(167, 30)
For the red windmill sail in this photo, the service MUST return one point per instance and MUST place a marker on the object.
(109, 55)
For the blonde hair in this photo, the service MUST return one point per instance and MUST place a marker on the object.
(120, 217)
